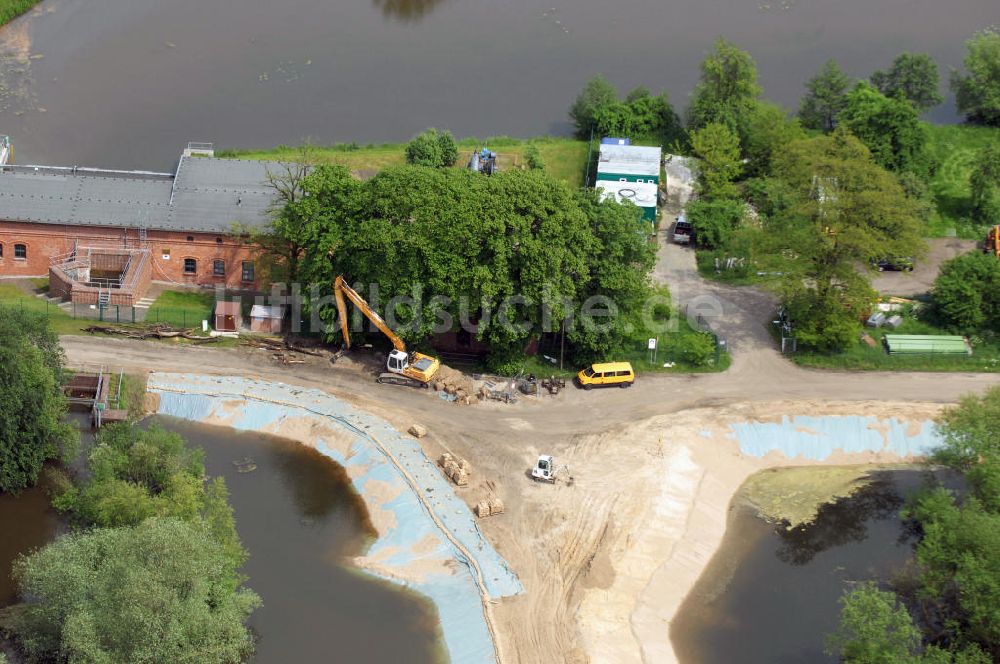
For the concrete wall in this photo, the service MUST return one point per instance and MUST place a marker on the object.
(44, 241)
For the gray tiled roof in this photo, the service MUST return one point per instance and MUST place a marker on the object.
(206, 194)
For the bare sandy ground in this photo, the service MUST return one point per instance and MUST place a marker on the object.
(608, 557)
(612, 555)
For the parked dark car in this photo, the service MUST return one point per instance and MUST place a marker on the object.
(683, 231)
(894, 264)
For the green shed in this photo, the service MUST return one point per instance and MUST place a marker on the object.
(926, 344)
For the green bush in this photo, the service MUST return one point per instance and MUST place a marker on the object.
(32, 404)
(135, 474)
(534, 157)
(163, 591)
(432, 148)
(694, 348)
(505, 363)
(640, 115)
(966, 293)
(715, 221)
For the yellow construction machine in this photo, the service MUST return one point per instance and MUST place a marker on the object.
(412, 369)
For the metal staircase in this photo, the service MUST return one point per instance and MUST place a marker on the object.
(103, 298)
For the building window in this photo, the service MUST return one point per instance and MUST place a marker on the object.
(247, 271)
(219, 268)
(1, 249)
(190, 238)
(218, 240)
(166, 254)
(190, 266)
(20, 251)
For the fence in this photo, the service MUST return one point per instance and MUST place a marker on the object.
(178, 317)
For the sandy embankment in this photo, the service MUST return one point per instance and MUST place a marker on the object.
(648, 509)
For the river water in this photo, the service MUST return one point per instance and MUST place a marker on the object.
(126, 83)
(300, 520)
(770, 595)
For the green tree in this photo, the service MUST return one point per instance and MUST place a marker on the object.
(280, 246)
(966, 293)
(641, 115)
(977, 93)
(985, 184)
(727, 90)
(162, 591)
(135, 474)
(715, 221)
(874, 629)
(717, 149)
(840, 210)
(462, 247)
(825, 98)
(433, 148)
(915, 77)
(597, 94)
(32, 405)
(890, 128)
(768, 130)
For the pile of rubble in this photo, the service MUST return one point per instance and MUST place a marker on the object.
(455, 383)
(455, 468)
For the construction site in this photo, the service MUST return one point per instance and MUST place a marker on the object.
(542, 522)
(554, 524)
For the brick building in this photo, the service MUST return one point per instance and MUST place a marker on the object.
(103, 236)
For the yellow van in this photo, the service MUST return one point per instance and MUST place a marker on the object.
(606, 374)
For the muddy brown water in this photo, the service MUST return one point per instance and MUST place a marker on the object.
(770, 596)
(126, 83)
(301, 521)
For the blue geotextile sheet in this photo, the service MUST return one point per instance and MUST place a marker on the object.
(251, 405)
(817, 438)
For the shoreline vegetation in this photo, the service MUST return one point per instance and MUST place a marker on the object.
(566, 159)
(11, 9)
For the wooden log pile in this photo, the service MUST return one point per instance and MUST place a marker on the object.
(158, 331)
(282, 350)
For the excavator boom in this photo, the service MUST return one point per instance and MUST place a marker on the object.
(341, 290)
(414, 369)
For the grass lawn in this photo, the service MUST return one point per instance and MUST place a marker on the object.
(565, 158)
(985, 356)
(955, 147)
(62, 322)
(182, 308)
(11, 9)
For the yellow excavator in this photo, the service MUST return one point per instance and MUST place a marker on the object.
(411, 369)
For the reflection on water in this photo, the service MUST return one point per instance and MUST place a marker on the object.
(841, 522)
(406, 10)
(300, 520)
(770, 595)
